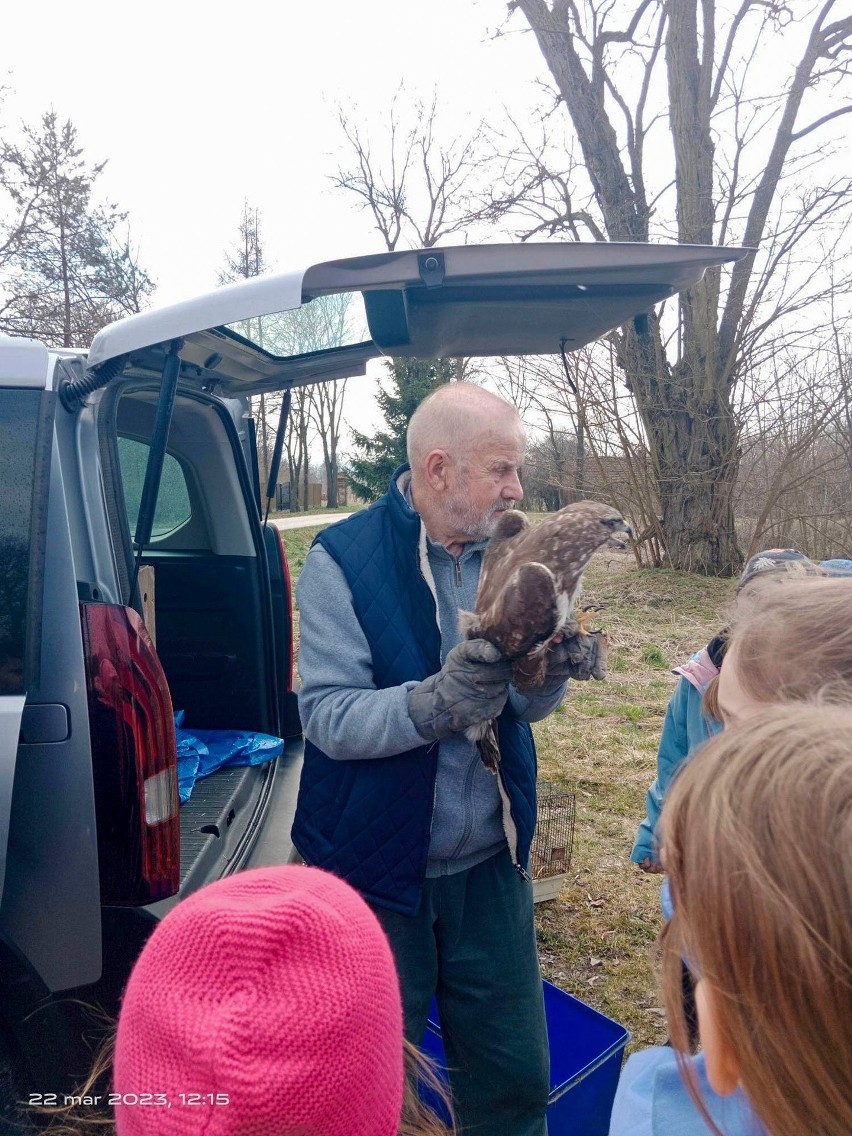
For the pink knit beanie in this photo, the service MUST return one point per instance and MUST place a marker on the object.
(266, 1004)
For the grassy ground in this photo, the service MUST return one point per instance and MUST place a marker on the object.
(595, 938)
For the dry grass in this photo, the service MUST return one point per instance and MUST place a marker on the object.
(595, 939)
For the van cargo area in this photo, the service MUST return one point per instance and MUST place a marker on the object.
(211, 586)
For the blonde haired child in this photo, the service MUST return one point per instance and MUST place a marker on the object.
(789, 643)
(757, 841)
(690, 719)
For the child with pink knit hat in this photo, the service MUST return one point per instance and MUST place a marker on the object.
(266, 1004)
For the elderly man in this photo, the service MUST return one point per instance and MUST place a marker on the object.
(393, 797)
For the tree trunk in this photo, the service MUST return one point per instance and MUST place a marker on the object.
(66, 284)
(330, 470)
(580, 468)
(263, 448)
(694, 454)
(684, 406)
(331, 481)
(303, 445)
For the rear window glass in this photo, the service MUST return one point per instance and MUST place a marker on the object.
(323, 324)
(24, 453)
(173, 509)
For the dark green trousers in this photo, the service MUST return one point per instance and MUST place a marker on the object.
(472, 944)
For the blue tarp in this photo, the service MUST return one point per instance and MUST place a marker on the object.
(202, 752)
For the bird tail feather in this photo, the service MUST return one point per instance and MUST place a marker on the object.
(484, 735)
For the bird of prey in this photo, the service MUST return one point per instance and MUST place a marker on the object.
(530, 580)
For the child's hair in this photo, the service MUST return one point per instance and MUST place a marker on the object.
(757, 841)
(710, 700)
(418, 1117)
(794, 638)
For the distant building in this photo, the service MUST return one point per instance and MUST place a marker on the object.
(283, 495)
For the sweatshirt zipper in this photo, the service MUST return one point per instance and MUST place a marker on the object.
(457, 562)
(509, 829)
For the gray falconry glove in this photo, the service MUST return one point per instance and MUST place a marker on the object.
(471, 687)
(580, 656)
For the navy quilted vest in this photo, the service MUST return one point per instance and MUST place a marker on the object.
(369, 821)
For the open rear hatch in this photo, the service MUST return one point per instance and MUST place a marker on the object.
(529, 299)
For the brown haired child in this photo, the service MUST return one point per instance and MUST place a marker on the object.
(757, 840)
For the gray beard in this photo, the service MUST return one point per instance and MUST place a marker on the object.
(463, 517)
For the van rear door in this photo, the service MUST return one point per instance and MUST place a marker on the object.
(26, 428)
(528, 299)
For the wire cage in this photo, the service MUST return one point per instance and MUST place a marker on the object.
(553, 842)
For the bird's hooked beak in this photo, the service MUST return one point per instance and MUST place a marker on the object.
(617, 525)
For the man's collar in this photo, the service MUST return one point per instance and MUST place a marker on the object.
(403, 484)
(467, 549)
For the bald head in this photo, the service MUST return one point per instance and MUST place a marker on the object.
(465, 447)
(454, 418)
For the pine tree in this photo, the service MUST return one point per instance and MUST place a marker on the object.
(370, 469)
(69, 273)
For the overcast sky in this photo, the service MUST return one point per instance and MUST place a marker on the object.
(199, 106)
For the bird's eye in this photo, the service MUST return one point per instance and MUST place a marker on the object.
(612, 522)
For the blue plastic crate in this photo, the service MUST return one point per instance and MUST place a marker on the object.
(586, 1049)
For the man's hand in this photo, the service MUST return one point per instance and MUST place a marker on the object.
(579, 656)
(471, 687)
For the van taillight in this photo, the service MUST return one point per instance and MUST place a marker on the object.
(288, 599)
(134, 758)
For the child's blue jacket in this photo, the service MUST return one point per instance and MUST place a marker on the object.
(652, 1100)
(685, 728)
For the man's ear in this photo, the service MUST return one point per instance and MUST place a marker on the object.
(437, 469)
(723, 1070)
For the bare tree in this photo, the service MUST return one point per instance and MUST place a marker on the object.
(19, 197)
(590, 439)
(327, 413)
(794, 483)
(418, 189)
(327, 399)
(298, 450)
(320, 325)
(746, 163)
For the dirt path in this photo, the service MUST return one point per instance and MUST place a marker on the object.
(313, 520)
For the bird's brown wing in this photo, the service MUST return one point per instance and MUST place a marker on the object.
(510, 528)
(525, 615)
